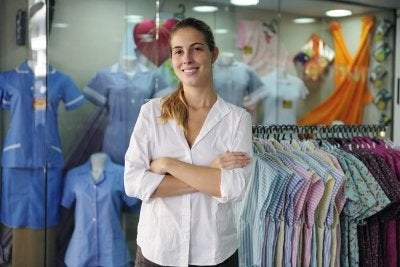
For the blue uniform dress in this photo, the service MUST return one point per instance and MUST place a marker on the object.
(97, 239)
(122, 95)
(32, 156)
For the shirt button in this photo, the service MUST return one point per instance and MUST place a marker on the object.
(93, 220)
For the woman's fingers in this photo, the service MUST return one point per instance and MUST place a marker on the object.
(231, 160)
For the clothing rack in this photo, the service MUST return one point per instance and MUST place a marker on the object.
(281, 131)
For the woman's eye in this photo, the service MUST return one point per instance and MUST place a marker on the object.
(177, 52)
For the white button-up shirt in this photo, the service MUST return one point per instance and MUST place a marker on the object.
(194, 228)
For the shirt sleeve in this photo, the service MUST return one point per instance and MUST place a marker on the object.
(5, 95)
(254, 80)
(68, 196)
(72, 96)
(96, 91)
(139, 182)
(234, 182)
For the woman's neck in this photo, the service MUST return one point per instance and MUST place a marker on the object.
(200, 99)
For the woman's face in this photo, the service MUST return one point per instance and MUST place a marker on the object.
(191, 57)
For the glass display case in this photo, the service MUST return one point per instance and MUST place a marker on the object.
(74, 74)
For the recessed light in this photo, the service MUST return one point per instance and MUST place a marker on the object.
(205, 8)
(303, 20)
(221, 31)
(244, 2)
(338, 13)
(133, 18)
(60, 25)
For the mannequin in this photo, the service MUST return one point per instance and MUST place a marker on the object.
(226, 58)
(122, 88)
(129, 65)
(97, 161)
(96, 189)
(33, 212)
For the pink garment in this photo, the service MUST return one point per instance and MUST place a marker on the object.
(315, 195)
(298, 210)
(260, 47)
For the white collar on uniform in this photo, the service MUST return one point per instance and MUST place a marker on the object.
(117, 67)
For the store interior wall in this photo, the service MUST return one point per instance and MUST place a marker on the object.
(94, 35)
(96, 29)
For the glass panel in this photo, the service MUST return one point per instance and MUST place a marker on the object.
(104, 59)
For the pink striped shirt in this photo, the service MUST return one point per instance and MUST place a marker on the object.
(315, 194)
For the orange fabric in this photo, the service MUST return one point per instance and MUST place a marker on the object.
(351, 79)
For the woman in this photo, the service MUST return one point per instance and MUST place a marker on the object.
(188, 161)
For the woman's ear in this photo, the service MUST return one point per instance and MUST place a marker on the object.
(215, 55)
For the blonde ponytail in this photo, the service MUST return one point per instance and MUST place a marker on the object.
(174, 107)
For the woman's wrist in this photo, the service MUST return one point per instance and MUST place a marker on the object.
(168, 162)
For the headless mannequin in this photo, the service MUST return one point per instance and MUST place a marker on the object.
(97, 161)
(35, 247)
(129, 64)
(226, 58)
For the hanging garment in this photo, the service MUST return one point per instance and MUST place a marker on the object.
(351, 76)
(261, 48)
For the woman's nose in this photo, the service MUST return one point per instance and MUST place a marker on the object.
(188, 58)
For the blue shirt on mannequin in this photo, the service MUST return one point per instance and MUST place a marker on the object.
(97, 239)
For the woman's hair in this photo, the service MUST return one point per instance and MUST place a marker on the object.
(174, 106)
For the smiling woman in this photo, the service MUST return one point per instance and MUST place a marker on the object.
(188, 186)
(127, 58)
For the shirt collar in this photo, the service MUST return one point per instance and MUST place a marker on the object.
(25, 69)
(107, 167)
(218, 111)
(118, 68)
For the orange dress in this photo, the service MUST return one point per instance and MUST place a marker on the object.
(351, 79)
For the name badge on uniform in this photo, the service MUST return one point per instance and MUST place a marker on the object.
(39, 103)
(287, 104)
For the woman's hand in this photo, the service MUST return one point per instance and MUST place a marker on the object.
(230, 160)
(159, 165)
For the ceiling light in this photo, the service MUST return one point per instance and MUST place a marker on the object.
(303, 20)
(205, 8)
(338, 13)
(221, 31)
(133, 18)
(244, 2)
(60, 25)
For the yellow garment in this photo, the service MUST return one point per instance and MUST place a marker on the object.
(351, 79)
